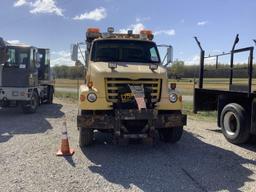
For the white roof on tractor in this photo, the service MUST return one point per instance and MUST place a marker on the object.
(18, 45)
(8, 44)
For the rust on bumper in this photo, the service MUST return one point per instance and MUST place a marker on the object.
(109, 121)
(171, 120)
(95, 121)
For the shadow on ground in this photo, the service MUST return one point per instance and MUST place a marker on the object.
(13, 121)
(190, 165)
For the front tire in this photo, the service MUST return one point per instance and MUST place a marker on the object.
(234, 124)
(170, 135)
(85, 137)
(32, 105)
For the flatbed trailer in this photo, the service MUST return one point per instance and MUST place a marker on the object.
(236, 107)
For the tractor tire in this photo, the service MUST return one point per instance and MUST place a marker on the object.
(32, 105)
(234, 124)
(170, 135)
(50, 95)
(85, 137)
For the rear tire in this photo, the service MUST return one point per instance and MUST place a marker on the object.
(234, 124)
(50, 95)
(85, 137)
(170, 135)
(32, 105)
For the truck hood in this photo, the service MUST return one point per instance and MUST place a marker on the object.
(129, 70)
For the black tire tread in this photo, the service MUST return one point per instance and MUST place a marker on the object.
(244, 134)
(85, 137)
(170, 135)
(29, 109)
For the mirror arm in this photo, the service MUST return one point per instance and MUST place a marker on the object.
(165, 57)
(81, 53)
(162, 63)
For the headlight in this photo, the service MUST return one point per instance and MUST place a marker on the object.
(112, 65)
(153, 66)
(173, 97)
(91, 97)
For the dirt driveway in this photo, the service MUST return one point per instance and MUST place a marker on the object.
(202, 161)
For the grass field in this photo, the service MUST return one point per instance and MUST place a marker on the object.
(68, 83)
(185, 86)
(66, 95)
(187, 107)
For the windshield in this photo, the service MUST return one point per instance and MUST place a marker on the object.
(125, 51)
(17, 57)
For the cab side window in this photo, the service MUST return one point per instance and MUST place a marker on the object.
(32, 59)
(153, 55)
(11, 55)
(23, 60)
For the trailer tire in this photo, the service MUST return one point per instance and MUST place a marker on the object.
(85, 137)
(33, 105)
(170, 135)
(234, 124)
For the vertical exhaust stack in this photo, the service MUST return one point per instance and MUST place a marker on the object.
(2, 44)
(1, 73)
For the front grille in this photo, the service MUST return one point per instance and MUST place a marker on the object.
(115, 85)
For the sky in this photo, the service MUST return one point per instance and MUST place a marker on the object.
(56, 24)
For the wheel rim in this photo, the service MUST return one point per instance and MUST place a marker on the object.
(231, 124)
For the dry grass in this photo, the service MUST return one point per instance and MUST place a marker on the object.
(70, 97)
(185, 85)
(68, 83)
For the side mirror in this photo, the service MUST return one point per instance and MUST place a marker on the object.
(169, 55)
(74, 52)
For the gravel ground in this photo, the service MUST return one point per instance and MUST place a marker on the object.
(202, 161)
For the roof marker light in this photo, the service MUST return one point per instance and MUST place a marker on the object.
(111, 29)
(93, 30)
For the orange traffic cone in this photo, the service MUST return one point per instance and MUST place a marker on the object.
(64, 148)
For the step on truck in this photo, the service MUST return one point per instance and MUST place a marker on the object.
(25, 76)
(236, 105)
(126, 90)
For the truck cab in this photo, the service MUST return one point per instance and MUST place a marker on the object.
(24, 76)
(126, 89)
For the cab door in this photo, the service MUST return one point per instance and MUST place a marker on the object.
(33, 71)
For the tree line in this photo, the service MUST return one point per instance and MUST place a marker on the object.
(68, 72)
(179, 70)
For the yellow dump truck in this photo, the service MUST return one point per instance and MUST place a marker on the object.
(126, 90)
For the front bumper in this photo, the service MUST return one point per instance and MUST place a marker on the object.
(10, 96)
(15, 94)
(113, 120)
